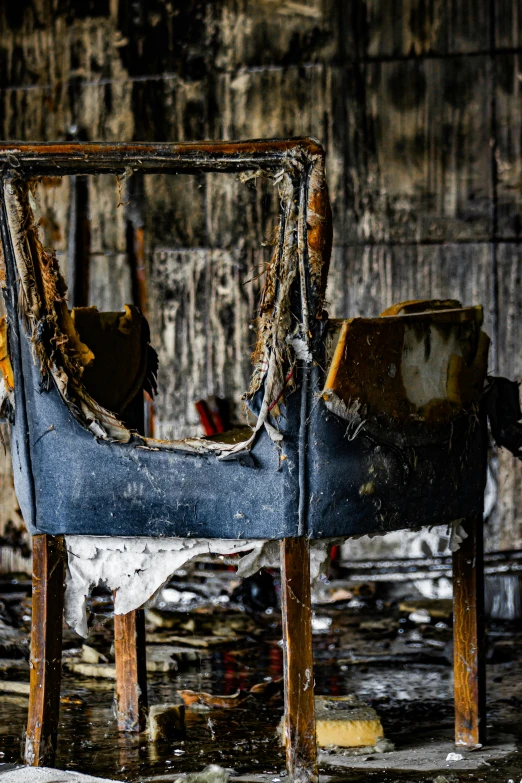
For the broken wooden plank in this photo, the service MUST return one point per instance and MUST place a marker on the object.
(46, 650)
(468, 638)
(299, 719)
(131, 670)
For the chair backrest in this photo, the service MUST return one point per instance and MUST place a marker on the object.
(362, 426)
(42, 328)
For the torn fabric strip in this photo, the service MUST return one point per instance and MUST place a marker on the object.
(135, 568)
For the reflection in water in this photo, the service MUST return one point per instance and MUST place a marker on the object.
(399, 665)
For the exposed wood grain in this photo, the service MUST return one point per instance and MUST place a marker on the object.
(279, 101)
(204, 288)
(468, 638)
(505, 529)
(256, 33)
(508, 24)
(508, 144)
(209, 347)
(299, 720)
(46, 650)
(110, 281)
(414, 28)
(131, 670)
(431, 133)
(366, 279)
(509, 260)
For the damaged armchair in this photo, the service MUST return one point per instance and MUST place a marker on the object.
(363, 426)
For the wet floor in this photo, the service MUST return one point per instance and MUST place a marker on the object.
(396, 659)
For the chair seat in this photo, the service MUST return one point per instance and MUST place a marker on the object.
(368, 470)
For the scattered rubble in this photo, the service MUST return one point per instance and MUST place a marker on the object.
(366, 643)
(454, 757)
(18, 774)
(211, 774)
(6, 686)
(90, 655)
(270, 690)
(166, 722)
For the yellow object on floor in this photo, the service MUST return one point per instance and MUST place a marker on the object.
(346, 722)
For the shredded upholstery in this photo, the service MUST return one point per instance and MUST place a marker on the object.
(281, 340)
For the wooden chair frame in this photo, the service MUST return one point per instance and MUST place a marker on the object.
(35, 160)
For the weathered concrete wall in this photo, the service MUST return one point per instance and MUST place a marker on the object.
(417, 102)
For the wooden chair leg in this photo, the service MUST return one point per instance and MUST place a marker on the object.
(469, 637)
(299, 720)
(131, 670)
(46, 650)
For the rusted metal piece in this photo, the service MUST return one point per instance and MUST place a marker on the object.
(299, 720)
(46, 650)
(469, 637)
(131, 670)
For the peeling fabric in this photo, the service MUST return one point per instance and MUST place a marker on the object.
(63, 357)
(352, 413)
(134, 569)
(301, 348)
(457, 535)
(56, 346)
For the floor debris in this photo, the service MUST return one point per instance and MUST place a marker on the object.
(90, 655)
(166, 721)
(14, 687)
(211, 774)
(425, 754)
(11, 773)
(346, 722)
(365, 643)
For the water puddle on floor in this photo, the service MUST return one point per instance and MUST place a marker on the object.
(396, 660)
